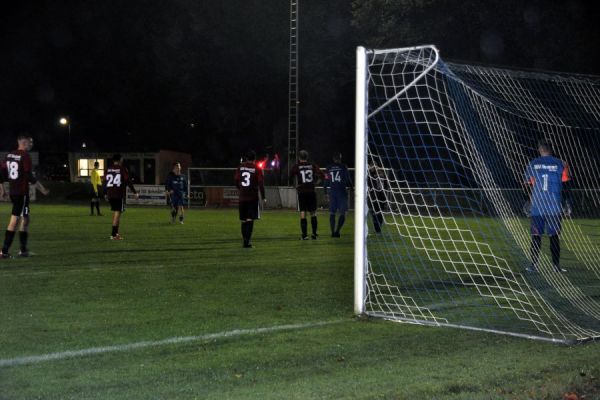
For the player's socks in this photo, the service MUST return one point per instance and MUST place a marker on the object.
(341, 221)
(536, 244)
(332, 223)
(313, 224)
(23, 236)
(91, 208)
(245, 233)
(8, 239)
(98, 207)
(173, 215)
(115, 230)
(181, 219)
(303, 227)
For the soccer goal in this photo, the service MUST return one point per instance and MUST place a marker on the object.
(442, 228)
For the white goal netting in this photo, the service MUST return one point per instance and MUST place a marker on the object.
(449, 238)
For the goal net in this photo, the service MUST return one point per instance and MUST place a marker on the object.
(443, 231)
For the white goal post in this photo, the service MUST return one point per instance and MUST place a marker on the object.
(444, 232)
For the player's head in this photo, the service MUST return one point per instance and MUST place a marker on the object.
(303, 155)
(116, 159)
(250, 156)
(337, 157)
(25, 142)
(177, 168)
(544, 147)
(96, 165)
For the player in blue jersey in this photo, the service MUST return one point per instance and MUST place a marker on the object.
(176, 187)
(546, 174)
(337, 180)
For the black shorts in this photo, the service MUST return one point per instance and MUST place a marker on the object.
(117, 204)
(249, 210)
(20, 206)
(307, 201)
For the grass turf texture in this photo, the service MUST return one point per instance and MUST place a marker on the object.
(82, 290)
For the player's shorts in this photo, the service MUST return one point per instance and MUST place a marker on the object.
(117, 204)
(338, 202)
(549, 224)
(307, 201)
(20, 206)
(176, 201)
(249, 210)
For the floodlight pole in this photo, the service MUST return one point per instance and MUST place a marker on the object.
(294, 89)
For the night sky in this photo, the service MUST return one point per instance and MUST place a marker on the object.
(210, 77)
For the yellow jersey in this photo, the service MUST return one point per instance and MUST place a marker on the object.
(95, 180)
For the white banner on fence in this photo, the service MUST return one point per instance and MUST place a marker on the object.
(149, 195)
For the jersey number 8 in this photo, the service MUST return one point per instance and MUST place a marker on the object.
(13, 169)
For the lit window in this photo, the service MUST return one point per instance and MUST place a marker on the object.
(85, 167)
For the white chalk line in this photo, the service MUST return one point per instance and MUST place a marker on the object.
(28, 360)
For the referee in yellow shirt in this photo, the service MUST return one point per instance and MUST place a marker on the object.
(96, 182)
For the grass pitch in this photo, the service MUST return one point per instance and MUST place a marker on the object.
(183, 312)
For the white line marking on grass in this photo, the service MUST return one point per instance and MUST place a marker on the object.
(12, 362)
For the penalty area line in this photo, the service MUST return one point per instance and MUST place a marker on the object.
(92, 351)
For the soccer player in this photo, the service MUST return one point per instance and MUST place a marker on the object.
(176, 187)
(116, 181)
(546, 174)
(249, 180)
(337, 180)
(18, 170)
(96, 182)
(306, 175)
(376, 195)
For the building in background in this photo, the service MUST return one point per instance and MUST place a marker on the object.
(145, 168)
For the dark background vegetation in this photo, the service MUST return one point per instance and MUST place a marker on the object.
(210, 77)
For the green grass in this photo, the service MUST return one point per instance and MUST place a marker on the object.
(82, 290)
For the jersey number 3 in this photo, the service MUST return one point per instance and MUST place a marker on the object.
(246, 179)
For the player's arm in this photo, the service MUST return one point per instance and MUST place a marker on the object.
(236, 178)
(28, 169)
(327, 182)
(129, 182)
(3, 178)
(169, 185)
(261, 184)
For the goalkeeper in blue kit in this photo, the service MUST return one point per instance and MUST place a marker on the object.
(547, 175)
(176, 187)
(337, 180)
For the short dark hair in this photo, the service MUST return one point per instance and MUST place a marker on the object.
(250, 155)
(96, 164)
(337, 156)
(176, 163)
(303, 155)
(116, 157)
(22, 136)
(545, 145)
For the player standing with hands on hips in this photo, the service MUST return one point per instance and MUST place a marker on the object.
(18, 170)
(546, 174)
(116, 181)
(306, 174)
(249, 180)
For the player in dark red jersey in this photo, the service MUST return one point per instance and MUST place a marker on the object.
(116, 181)
(307, 174)
(249, 180)
(18, 170)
